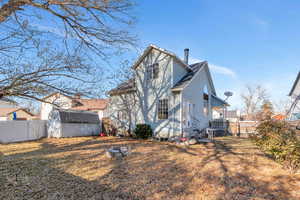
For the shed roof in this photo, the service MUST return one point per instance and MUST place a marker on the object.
(82, 117)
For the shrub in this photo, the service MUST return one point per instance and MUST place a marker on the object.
(143, 131)
(277, 139)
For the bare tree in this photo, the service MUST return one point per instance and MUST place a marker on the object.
(123, 102)
(48, 72)
(37, 59)
(266, 111)
(283, 106)
(93, 22)
(253, 98)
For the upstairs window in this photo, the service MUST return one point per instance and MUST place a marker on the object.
(152, 71)
(205, 104)
(163, 109)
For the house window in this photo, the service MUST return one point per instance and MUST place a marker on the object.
(152, 71)
(122, 115)
(205, 104)
(163, 109)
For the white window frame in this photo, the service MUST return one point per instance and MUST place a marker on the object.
(163, 109)
(152, 71)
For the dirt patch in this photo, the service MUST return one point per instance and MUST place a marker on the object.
(77, 168)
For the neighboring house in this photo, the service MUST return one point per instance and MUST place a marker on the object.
(58, 100)
(15, 114)
(175, 98)
(294, 111)
(233, 115)
(7, 103)
(230, 115)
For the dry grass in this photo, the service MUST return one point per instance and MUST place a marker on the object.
(76, 168)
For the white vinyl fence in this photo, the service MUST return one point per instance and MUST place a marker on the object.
(17, 131)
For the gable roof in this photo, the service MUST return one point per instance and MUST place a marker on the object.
(192, 70)
(152, 46)
(6, 111)
(295, 84)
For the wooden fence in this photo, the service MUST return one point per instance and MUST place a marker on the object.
(242, 128)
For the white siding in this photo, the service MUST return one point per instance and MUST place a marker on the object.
(150, 92)
(178, 72)
(122, 103)
(193, 94)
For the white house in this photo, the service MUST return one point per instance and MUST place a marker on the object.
(58, 100)
(175, 98)
(294, 111)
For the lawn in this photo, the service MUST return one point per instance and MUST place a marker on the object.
(77, 168)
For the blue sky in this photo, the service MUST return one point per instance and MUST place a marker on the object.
(246, 42)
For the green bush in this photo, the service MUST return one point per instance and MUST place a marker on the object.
(143, 131)
(277, 139)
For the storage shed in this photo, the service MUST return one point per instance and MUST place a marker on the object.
(70, 123)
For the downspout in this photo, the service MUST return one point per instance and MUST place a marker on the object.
(181, 113)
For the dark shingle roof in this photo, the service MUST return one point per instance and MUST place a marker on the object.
(82, 117)
(188, 77)
(295, 84)
(129, 86)
(125, 87)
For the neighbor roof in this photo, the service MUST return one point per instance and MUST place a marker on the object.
(6, 111)
(125, 87)
(84, 104)
(50, 95)
(295, 84)
(91, 104)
